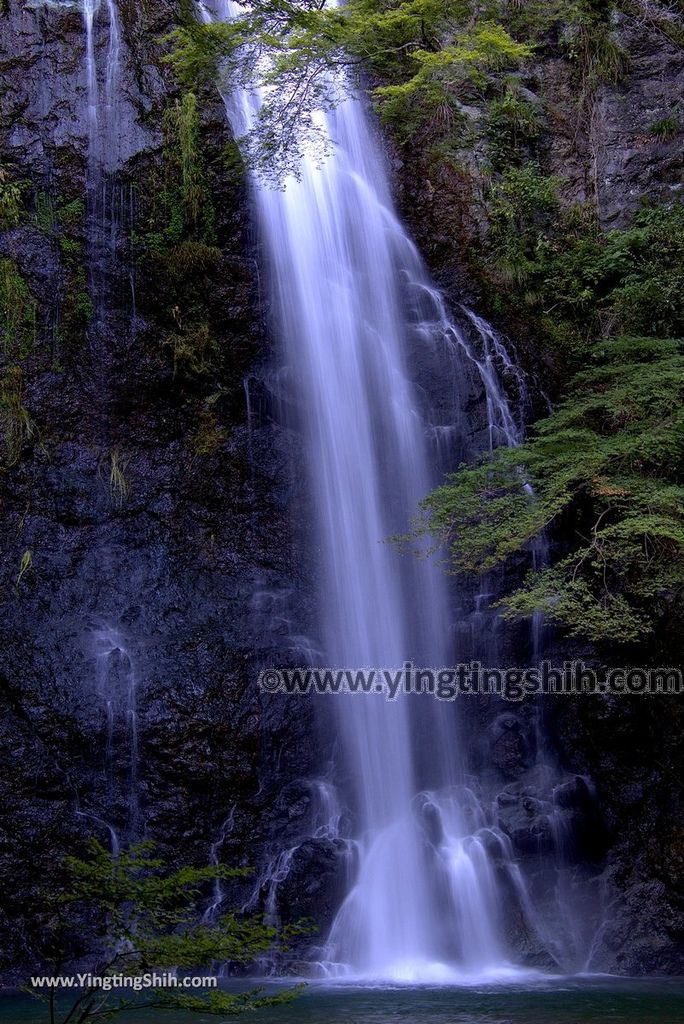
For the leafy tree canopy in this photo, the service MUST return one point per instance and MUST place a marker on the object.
(306, 56)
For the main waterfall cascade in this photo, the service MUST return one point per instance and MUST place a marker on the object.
(358, 320)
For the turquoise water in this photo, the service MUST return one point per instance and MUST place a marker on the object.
(575, 1001)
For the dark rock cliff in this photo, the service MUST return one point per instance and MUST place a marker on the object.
(147, 496)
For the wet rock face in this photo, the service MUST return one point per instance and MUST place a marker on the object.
(611, 151)
(45, 100)
(316, 883)
(510, 749)
(636, 128)
(153, 499)
(632, 751)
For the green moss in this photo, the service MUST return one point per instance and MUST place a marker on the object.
(209, 437)
(665, 128)
(17, 425)
(11, 202)
(18, 312)
(513, 128)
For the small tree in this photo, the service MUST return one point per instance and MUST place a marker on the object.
(142, 917)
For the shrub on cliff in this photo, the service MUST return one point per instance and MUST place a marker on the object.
(607, 466)
(143, 916)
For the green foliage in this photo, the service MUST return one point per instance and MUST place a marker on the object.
(591, 45)
(83, 307)
(665, 128)
(71, 214)
(176, 246)
(444, 75)
(17, 425)
(58, 214)
(577, 281)
(24, 566)
(187, 199)
(608, 468)
(513, 126)
(144, 917)
(426, 57)
(18, 311)
(72, 248)
(11, 204)
(520, 205)
(198, 50)
(64, 219)
(429, 54)
(181, 212)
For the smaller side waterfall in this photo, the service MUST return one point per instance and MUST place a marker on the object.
(105, 200)
(213, 909)
(116, 685)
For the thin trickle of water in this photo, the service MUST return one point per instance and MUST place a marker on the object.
(211, 914)
(114, 842)
(116, 685)
(104, 199)
(89, 9)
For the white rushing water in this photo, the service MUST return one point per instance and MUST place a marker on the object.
(105, 200)
(343, 274)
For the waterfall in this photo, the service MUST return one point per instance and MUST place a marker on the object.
(351, 300)
(115, 672)
(103, 195)
(116, 683)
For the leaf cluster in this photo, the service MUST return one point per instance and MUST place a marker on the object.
(608, 468)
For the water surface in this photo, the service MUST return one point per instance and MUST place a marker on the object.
(571, 1001)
